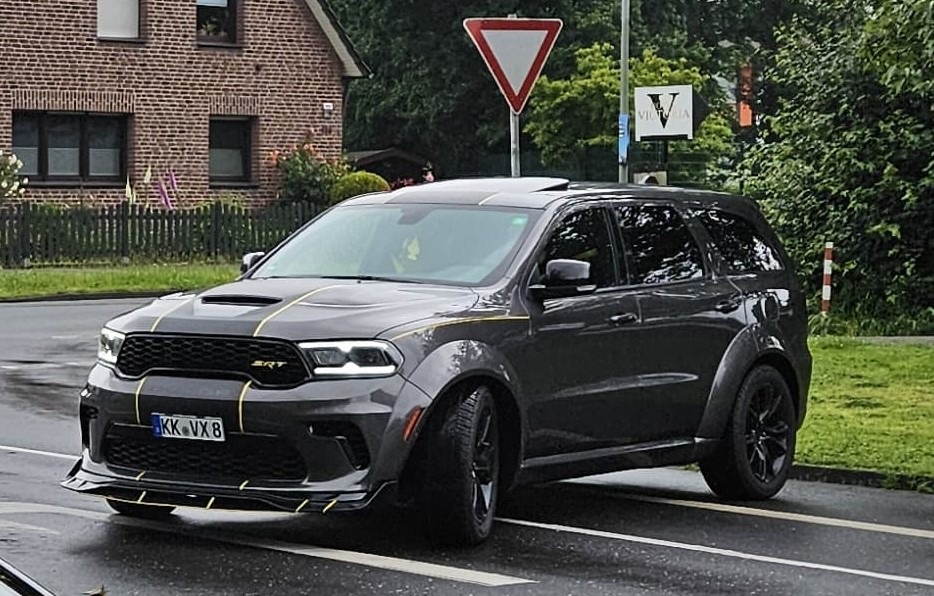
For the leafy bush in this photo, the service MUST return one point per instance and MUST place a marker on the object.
(357, 183)
(848, 159)
(11, 186)
(306, 175)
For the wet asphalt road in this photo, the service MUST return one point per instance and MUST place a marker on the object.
(642, 532)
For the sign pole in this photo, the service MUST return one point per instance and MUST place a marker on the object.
(624, 93)
(514, 143)
(515, 51)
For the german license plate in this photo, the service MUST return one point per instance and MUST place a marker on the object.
(188, 427)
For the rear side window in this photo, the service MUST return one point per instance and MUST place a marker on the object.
(743, 249)
(662, 248)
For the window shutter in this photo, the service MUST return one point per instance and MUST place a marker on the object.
(118, 19)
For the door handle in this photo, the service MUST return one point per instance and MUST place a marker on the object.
(624, 318)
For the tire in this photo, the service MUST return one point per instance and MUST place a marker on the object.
(137, 510)
(756, 452)
(460, 482)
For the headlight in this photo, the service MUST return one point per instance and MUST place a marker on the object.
(353, 358)
(109, 345)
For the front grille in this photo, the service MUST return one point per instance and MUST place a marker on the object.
(240, 457)
(268, 363)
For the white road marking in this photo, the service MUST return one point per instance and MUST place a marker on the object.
(38, 452)
(13, 526)
(789, 516)
(699, 548)
(44, 365)
(409, 566)
(769, 513)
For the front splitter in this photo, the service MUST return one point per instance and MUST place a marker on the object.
(231, 498)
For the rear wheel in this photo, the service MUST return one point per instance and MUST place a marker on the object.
(140, 511)
(756, 452)
(461, 478)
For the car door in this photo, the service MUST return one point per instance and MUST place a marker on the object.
(571, 373)
(750, 260)
(689, 316)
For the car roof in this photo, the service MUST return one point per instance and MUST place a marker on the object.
(540, 193)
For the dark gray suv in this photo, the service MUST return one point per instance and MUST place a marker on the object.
(442, 343)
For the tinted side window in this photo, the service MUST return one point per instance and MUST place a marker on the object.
(736, 239)
(660, 243)
(584, 236)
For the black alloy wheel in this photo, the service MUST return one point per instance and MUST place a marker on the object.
(483, 469)
(459, 480)
(766, 434)
(756, 452)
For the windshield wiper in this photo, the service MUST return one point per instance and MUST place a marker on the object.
(369, 278)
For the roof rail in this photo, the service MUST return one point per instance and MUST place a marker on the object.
(502, 184)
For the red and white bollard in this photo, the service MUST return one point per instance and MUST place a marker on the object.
(828, 265)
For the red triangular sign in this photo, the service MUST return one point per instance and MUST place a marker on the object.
(515, 51)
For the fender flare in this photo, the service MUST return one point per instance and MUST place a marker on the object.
(750, 346)
(454, 363)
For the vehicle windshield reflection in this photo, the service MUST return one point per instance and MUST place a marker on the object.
(461, 245)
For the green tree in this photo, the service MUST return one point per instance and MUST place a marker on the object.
(431, 94)
(571, 116)
(851, 155)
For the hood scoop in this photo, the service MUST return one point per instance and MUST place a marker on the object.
(237, 300)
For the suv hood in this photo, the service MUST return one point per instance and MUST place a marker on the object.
(298, 309)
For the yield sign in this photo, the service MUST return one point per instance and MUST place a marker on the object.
(515, 50)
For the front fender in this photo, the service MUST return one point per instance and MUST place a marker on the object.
(394, 450)
(455, 361)
(750, 345)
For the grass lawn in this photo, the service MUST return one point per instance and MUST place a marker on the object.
(20, 283)
(871, 407)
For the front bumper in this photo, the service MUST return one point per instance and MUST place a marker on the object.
(322, 446)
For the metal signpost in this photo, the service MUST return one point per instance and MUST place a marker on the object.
(515, 50)
(624, 93)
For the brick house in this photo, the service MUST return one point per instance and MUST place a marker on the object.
(97, 92)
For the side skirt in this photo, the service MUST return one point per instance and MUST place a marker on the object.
(655, 454)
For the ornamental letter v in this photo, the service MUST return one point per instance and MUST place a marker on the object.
(663, 114)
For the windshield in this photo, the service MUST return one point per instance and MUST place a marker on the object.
(455, 245)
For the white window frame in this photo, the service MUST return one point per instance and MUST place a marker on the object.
(118, 19)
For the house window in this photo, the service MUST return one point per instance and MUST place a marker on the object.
(118, 19)
(217, 21)
(230, 149)
(67, 147)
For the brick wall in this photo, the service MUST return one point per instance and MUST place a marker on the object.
(282, 74)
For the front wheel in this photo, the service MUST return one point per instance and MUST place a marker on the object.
(757, 449)
(462, 476)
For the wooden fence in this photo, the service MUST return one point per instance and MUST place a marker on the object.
(36, 234)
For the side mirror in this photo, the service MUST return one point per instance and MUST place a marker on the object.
(250, 259)
(564, 278)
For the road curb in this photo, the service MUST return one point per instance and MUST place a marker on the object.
(88, 296)
(866, 478)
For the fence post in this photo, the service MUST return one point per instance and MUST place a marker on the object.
(25, 234)
(123, 212)
(216, 227)
(828, 268)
